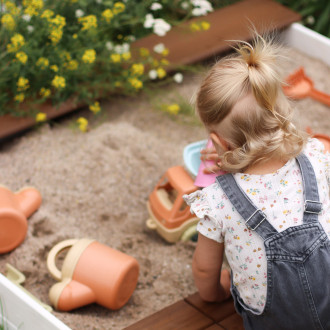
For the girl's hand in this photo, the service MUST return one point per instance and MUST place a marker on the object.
(225, 282)
(210, 154)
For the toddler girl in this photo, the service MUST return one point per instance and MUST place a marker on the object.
(271, 213)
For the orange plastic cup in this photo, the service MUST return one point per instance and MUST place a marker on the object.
(91, 273)
(15, 208)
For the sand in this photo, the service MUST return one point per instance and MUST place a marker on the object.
(97, 184)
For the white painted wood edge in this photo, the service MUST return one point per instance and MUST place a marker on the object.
(307, 41)
(20, 311)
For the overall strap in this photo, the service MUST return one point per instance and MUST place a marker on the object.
(312, 204)
(254, 218)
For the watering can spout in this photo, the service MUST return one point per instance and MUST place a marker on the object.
(70, 294)
(29, 200)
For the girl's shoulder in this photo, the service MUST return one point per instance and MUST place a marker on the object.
(315, 151)
(207, 201)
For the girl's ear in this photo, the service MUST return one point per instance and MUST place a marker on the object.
(219, 141)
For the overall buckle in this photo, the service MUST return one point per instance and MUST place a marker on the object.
(256, 211)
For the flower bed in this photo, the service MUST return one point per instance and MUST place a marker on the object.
(59, 58)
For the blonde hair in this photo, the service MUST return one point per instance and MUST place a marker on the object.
(263, 129)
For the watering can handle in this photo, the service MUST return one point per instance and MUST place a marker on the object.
(54, 271)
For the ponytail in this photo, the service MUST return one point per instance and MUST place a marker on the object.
(264, 128)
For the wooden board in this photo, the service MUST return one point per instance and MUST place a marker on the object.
(192, 313)
(233, 22)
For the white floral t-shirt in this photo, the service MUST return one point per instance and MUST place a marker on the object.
(280, 196)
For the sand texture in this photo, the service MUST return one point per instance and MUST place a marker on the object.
(97, 184)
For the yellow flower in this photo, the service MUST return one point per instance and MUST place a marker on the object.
(55, 35)
(83, 124)
(54, 68)
(40, 117)
(205, 25)
(115, 58)
(22, 57)
(165, 52)
(72, 65)
(118, 7)
(95, 108)
(107, 14)
(137, 69)
(19, 97)
(59, 21)
(89, 56)
(161, 73)
(58, 82)
(88, 22)
(195, 27)
(126, 56)
(65, 56)
(22, 84)
(11, 8)
(75, 36)
(118, 84)
(17, 41)
(144, 52)
(155, 62)
(173, 109)
(164, 61)
(45, 92)
(43, 63)
(32, 7)
(8, 22)
(136, 83)
(47, 14)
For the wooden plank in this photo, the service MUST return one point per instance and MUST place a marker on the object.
(215, 327)
(233, 322)
(232, 22)
(179, 315)
(215, 311)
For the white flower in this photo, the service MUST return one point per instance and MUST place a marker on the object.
(178, 78)
(310, 20)
(131, 38)
(109, 45)
(30, 28)
(79, 13)
(98, 1)
(156, 6)
(120, 49)
(161, 27)
(153, 74)
(149, 22)
(159, 48)
(202, 7)
(185, 5)
(26, 18)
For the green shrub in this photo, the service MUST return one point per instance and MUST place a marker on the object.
(315, 13)
(53, 50)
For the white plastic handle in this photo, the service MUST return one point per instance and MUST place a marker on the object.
(51, 265)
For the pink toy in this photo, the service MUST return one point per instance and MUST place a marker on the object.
(91, 272)
(15, 208)
(202, 179)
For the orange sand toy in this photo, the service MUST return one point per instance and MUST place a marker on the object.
(169, 214)
(300, 86)
(91, 272)
(15, 208)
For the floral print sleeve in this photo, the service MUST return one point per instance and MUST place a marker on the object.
(207, 225)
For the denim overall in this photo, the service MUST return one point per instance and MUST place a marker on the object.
(298, 262)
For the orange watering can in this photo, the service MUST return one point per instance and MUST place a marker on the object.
(15, 208)
(91, 273)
